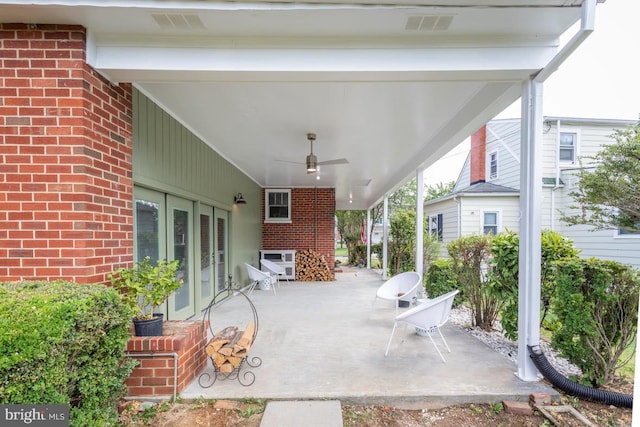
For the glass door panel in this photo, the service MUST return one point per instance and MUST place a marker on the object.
(180, 236)
(206, 257)
(149, 225)
(222, 245)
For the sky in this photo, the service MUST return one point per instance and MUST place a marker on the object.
(601, 79)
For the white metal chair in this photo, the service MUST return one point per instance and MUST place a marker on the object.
(274, 269)
(428, 318)
(258, 276)
(401, 287)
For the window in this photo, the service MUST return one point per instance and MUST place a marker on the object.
(626, 233)
(277, 206)
(493, 165)
(435, 226)
(568, 144)
(490, 223)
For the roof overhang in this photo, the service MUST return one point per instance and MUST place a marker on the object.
(390, 87)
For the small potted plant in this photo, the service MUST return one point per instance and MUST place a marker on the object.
(145, 287)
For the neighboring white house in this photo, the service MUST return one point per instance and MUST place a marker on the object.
(486, 196)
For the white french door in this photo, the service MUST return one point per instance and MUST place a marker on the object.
(221, 240)
(180, 246)
(206, 261)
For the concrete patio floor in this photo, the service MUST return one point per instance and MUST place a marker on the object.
(326, 340)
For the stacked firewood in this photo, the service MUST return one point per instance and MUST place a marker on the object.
(311, 266)
(229, 347)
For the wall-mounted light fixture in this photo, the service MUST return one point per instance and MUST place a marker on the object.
(238, 199)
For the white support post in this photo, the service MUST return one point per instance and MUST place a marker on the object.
(385, 235)
(368, 234)
(420, 222)
(530, 228)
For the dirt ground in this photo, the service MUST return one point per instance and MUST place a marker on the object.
(249, 413)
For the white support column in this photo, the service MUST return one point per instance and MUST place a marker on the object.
(368, 234)
(385, 235)
(419, 222)
(530, 228)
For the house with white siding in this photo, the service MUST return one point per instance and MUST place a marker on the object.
(486, 196)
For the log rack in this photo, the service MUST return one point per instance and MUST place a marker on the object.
(237, 344)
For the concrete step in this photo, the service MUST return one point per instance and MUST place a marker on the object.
(307, 413)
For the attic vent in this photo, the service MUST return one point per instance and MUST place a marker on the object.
(178, 21)
(428, 22)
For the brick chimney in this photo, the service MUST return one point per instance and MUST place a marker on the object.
(478, 155)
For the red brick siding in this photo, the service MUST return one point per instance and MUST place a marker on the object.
(312, 224)
(154, 375)
(65, 159)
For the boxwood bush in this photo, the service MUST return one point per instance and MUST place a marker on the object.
(63, 343)
(596, 302)
(442, 279)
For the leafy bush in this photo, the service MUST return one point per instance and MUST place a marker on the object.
(62, 343)
(441, 279)
(596, 303)
(403, 241)
(470, 257)
(505, 270)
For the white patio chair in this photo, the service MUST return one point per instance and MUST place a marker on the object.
(428, 318)
(401, 287)
(274, 269)
(258, 276)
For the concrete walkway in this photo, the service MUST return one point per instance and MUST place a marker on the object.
(326, 340)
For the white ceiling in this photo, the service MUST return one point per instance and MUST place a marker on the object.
(252, 79)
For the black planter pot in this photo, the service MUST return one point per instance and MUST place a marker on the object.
(149, 328)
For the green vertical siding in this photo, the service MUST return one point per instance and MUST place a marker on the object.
(168, 157)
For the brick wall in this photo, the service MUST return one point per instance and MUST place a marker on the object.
(65, 159)
(155, 374)
(312, 224)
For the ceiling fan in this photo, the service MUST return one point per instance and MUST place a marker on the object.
(312, 161)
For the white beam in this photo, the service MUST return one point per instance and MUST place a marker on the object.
(385, 235)
(420, 222)
(530, 228)
(368, 234)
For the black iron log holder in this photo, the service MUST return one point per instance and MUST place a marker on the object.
(246, 377)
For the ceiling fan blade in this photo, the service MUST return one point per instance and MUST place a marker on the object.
(334, 162)
(289, 161)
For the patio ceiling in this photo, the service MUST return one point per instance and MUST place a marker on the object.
(389, 87)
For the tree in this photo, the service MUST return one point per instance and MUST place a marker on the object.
(609, 195)
(439, 190)
(350, 228)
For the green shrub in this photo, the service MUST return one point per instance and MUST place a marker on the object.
(505, 270)
(441, 279)
(596, 303)
(62, 343)
(470, 259)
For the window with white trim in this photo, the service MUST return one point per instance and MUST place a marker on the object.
(277, 206)
(493, 165)
(627, 233)
(490, 222)
(568, 147)
(436, 226)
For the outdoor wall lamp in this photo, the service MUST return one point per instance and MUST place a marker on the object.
(239, 199)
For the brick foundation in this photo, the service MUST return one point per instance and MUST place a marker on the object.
(154, 375)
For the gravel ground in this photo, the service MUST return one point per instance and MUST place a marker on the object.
(495, 339)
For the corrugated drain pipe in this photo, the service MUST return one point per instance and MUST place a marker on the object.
(573, 388)
(175, 366)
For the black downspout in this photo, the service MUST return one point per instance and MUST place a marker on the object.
(573, 388)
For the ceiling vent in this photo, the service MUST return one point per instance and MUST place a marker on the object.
(428, 22)
(178, 21)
